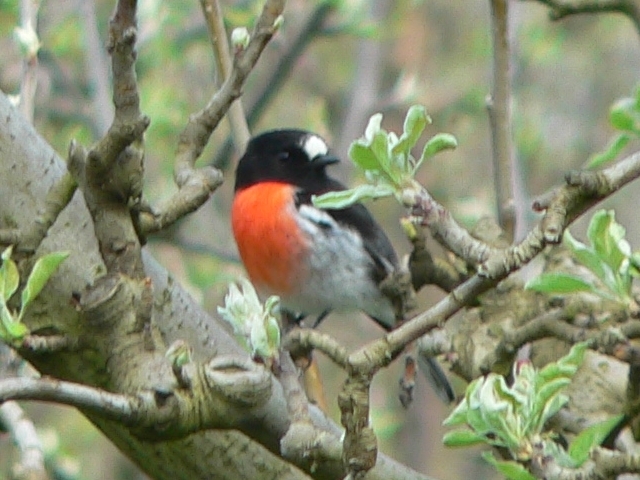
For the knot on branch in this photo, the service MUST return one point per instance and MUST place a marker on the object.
(239, 381)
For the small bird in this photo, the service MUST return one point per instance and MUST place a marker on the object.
(315, 260)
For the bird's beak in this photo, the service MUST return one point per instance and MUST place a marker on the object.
(324, 160)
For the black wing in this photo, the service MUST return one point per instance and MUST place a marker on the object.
(358, 218)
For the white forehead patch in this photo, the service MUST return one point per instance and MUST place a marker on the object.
(314, 146)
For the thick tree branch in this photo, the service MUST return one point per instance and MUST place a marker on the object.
(102, 358)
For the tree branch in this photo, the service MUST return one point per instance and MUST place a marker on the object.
(29, 84)
(562, 9)
(24, 435)
(278, 74)
(582, 191)
(602, 464)
(97, 69)
(196, 185)
(218, 34)
(499, 107)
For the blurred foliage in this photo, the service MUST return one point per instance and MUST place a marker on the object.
(434, 53)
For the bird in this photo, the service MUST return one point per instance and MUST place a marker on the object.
(315, 260)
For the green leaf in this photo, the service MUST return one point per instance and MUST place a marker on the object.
(510, 469)
(458, 416)
(42, 271)
(558, 282)
(587, 257)
(379, 147)
(566, 366)
(624, 115)
(607, 237)
(611, 151)
(597, 232)
(363, 156)
(346, 198)
(549, 390)
(591, 437)
(13, 329)
(9, 276)
(414, 124)
(436, 144)
(462, 438)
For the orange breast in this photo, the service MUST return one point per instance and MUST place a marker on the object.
(270, 242)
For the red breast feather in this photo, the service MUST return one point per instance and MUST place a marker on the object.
(270, 243)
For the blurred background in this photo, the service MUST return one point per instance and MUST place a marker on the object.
(332, 65)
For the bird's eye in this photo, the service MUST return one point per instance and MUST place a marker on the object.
(282, 156)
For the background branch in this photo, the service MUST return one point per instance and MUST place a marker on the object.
(29, 21)
(499, 106)
(31, 464)
(562, 9)
(97, 67)
(218, 34)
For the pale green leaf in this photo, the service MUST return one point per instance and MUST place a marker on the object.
(436, 144)
(599, 234)
(610, 153)
(373, 128)
(363, 156)
(13, 329)
(623, 115)
(9, 276)
(42, 271)
(346, 198)
(587, 257)
(414, 124)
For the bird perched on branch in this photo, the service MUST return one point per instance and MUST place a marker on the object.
(315, 260)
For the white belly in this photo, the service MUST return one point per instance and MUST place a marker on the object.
(339, 272)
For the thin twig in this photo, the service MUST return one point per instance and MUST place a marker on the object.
(364, 92)
(97, 68)
(197, 185)
(24, 435)
(279, 73)
(120, 408)
(218, 34)
(29, 20)
(562, 9)
(499, 106)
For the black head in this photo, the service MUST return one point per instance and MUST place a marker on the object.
(293, 156)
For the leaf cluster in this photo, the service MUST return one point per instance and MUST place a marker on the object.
(608, 256)
(256, 326)
(513, 417)
(387, 161)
